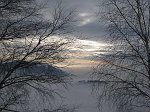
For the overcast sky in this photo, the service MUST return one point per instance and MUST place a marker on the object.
(92, 32)
(88, 28)
(88, 24)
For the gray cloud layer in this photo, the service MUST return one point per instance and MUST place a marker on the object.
(88, 24)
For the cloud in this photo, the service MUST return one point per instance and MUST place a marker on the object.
(88, 24)
(85, 18)
(83, 14)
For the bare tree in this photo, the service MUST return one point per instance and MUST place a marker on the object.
(27, 39)
(126, 67)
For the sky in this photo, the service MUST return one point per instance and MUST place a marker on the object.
(90, 43)
(90, 33)
(86, 13)
(88, 25)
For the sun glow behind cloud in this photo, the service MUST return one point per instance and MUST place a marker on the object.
(84, 14)
(81, 52)
(85, 18)
(84, 51)
(90, 47)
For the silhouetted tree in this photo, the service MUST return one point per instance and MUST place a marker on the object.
(27, 39)
(126, 64)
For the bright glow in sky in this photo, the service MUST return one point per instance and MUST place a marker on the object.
(84, 14)
(92, 45)
(89, 47)
(83, 51)
(82, 48)
(86, 18)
